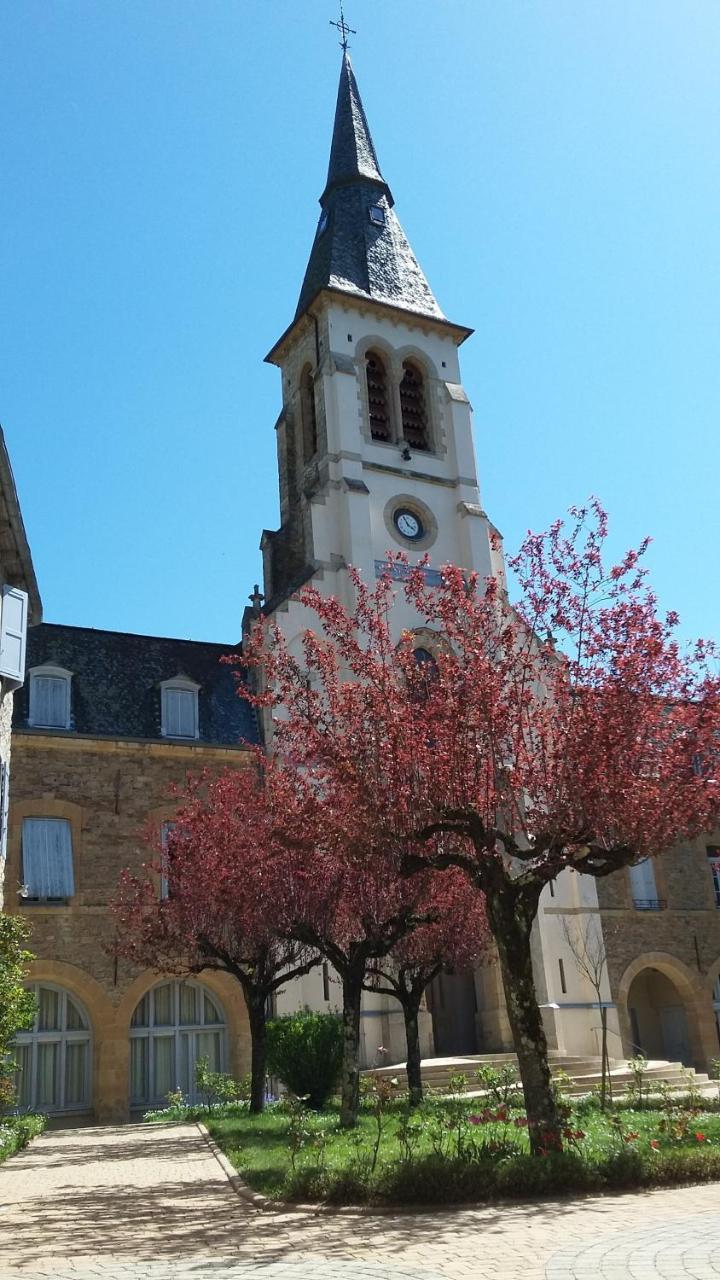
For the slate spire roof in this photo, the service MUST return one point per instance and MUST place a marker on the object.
(356, 248)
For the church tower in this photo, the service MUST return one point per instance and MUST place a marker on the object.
(375, 445)
(375, 453)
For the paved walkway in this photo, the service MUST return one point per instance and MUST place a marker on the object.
(149, 1203)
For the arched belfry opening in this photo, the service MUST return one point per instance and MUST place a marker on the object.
(378, 397)
(413, 406)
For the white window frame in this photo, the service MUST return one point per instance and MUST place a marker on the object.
(184, 1037)
(61, 1036)
(183, 685)
(59, 898)
(52, 673)
(642, 878)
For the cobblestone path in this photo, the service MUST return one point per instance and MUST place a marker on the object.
(148, 1203)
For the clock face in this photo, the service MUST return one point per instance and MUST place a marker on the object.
(408, 524)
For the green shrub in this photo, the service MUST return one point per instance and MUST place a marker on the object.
(305, 1051)
(16, 1132)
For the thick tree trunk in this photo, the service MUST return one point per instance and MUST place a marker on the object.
(511, 911)
(352, 996)
(411, 1009)
(257, 1017)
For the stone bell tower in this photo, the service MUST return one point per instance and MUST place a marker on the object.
(375, 453)
(375, 444)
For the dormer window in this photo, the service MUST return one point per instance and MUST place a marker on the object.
(50, 698)
(179, 708)
(377, 215)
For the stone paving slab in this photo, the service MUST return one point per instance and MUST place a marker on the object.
(148, 1202)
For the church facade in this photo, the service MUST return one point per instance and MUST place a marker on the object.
(375, 453)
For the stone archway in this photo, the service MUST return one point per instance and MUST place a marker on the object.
(662, 1011)
(658, 1018)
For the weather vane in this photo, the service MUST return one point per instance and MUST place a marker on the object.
(344, 30)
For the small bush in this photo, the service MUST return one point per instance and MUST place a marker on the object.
(305, 1051)
(17, 1131)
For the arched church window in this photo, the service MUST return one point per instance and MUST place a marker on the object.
(378, 398)
(413, 407)
(309, 414)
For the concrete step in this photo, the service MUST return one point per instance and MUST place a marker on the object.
(585, 1073)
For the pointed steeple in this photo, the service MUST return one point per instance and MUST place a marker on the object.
(360, 247)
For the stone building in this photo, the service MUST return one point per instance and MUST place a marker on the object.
(375, 451)
(107, 725)
(20, 606)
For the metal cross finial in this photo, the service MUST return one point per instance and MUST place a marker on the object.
(344, 30)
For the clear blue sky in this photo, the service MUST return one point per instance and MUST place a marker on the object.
(556, 166)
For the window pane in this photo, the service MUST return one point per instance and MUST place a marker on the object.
(74, 1019)
(164, 1014)
(76, 1055)
(141, 1016)
(211, 1013)
(48, 1009)
(164, 1081)
(139, 1047)
(207, 1045)
(47, 865)
(642, 881)
(179, 706)
(48, 1061)
(188, 1012)
(48, 696)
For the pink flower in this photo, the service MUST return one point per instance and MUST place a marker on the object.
(701, 1137)
(654, 1144)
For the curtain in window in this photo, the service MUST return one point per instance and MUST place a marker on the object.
(48, 1060)
(139, 1048)
(188, 1012)
(642, 881)
(164, 1047)
(164, 1013)
(47, 858)
(74, 1020)
(76, 1054)
(207, 1045)
(48, 1015)
(49, 701)
(179, 712)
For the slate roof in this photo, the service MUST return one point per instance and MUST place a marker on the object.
(350, 252)
(115, 690)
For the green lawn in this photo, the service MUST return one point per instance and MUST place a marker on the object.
(439, 1154)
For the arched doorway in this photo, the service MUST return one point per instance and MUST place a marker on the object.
(452, 1001)
(53, 1057)
(173, 1025)
(658, 1018)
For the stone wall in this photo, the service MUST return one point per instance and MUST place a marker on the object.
(680, 940)
(111, 792)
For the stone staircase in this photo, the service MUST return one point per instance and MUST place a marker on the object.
(585, 1074)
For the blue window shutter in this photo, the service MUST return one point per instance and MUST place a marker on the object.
(13, 629)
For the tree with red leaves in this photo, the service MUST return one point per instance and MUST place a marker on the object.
(570, 730)
(455, 938)
(229, 877)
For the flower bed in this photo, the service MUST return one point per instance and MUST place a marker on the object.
(449, 1150)
(17, 1131)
